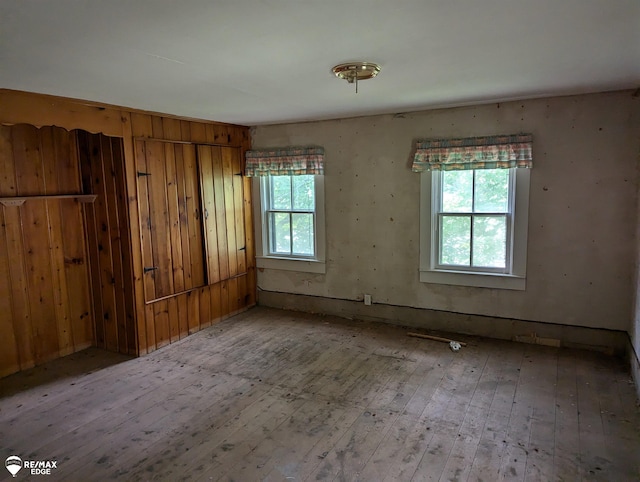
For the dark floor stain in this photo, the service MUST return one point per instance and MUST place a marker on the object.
(325, 472)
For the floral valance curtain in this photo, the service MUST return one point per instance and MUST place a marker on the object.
(494, 152)
(286, 161)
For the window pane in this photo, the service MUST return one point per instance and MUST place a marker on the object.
(303, 234)
(490, 241)
(492, 191)
(280, 192)
(303, 193)
(456, 240)
(280, 233)
(457, 191)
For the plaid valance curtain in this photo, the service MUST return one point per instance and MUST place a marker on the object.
(494, 152)
(286, 161)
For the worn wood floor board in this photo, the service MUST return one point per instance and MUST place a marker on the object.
(274, 395)
(147, 422)
(447, 410)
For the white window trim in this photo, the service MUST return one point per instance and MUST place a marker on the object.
(304, 264)
(515, 280)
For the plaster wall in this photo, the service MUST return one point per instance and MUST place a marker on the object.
(582, 215)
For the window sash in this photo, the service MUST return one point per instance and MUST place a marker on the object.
(438, 215)
(269, 214)
(471, 266)
(272, 238)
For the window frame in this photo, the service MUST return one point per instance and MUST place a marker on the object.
(438, 216)
(265, 258)
(270, 210)
(514, 276)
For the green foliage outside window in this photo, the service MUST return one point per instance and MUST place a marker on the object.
(473, 218)
(291, 215)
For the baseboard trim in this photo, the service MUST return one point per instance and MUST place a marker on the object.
(612, 342)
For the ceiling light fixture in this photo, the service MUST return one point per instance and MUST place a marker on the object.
(353, 72)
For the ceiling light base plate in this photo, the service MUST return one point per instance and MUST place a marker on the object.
(356, 71)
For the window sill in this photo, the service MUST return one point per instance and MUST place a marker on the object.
(291, 264)
(480, 280)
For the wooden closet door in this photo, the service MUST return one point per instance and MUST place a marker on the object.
(172, 244)
(223, 207)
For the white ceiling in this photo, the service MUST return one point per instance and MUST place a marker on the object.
(267, 61)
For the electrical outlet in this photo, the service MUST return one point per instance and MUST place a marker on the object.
(367, 300)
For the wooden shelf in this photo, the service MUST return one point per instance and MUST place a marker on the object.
(20, 200)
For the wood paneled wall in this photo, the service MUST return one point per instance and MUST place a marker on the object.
(108, 241)
(45, 309)
(169, 150)
(126, 319)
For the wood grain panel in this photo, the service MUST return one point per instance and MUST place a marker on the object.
(122, 247)
(209, 213)
(73, 250)
(145, 219)
(35, 238)
(221, 212)
(193, 311)
(93, 251)
(138, 339)
(193, 214)
(141, 126)
(43, 262)
(170, 201)
(231, 212)
(108, 239)
(125, 228)
(239, 212)
(249, 244)
(51, 166)
(161, 316)
(27, 161)
(174, 318)
(185, 217)
(216, 303)
(205, 307)
(7, 167)
(198, 133)
(112, 149)
(19, 289)
(106, 277)
(159, 215)
(47, 110)
(183, 316)
(157, 127)
(173, 209)
(206, 223)
(9, 356)
(171, 129)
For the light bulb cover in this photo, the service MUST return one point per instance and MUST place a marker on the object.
(356, 71)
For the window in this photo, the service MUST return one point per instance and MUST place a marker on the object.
(474, 211)
(289, 184)
(291, 215)
(291, 221)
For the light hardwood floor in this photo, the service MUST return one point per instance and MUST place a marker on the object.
(275, 395)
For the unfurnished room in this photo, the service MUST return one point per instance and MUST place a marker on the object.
(287, 240)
